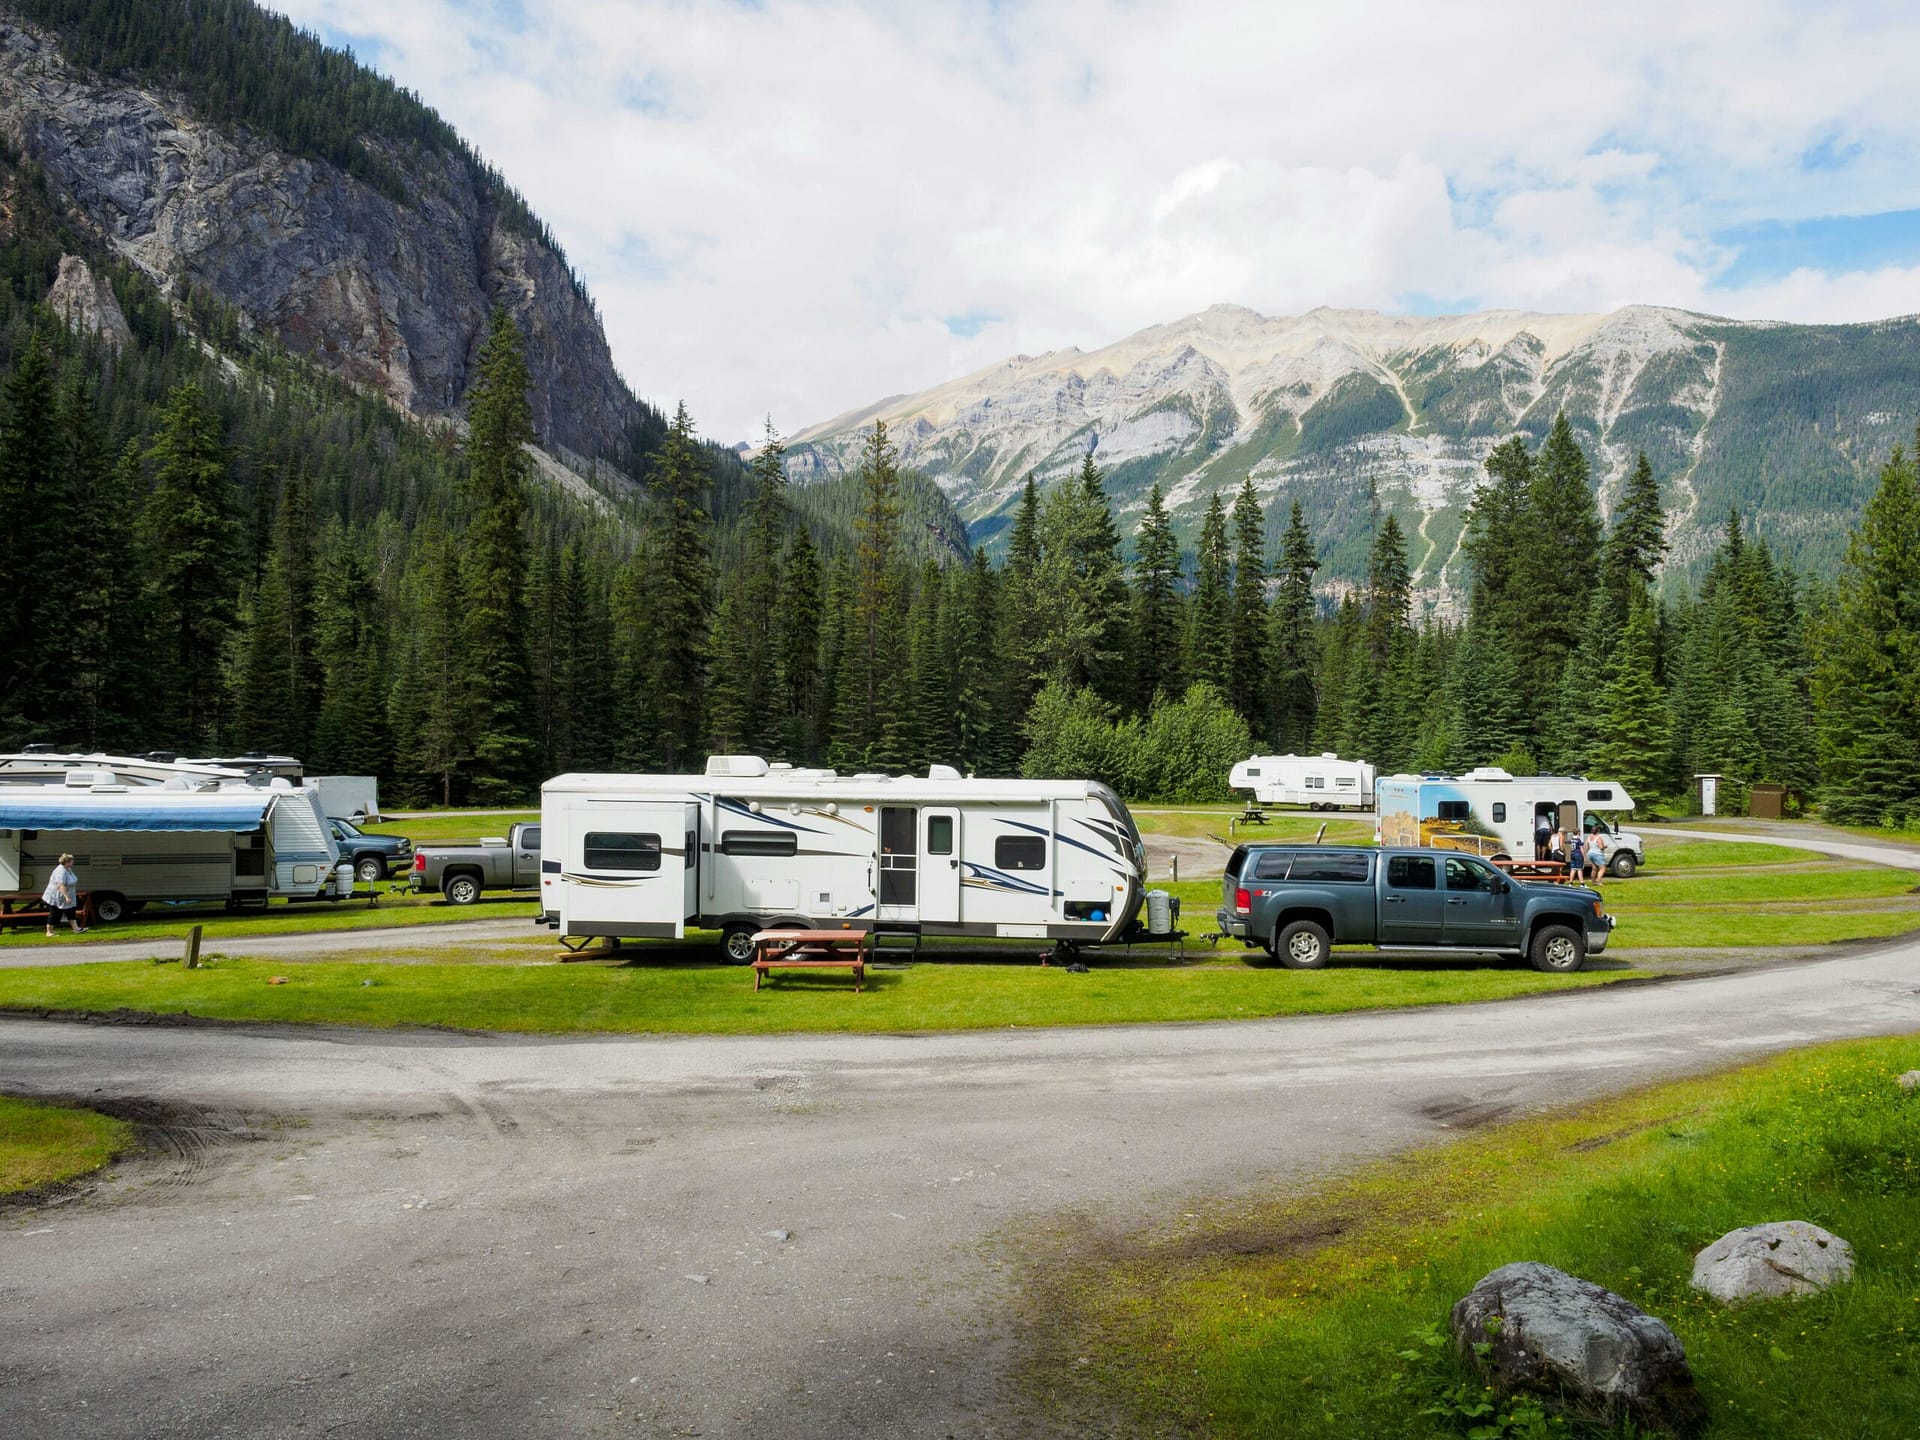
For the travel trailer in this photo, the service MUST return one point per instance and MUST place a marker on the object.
(751, 846)
(1492, 813)
(1320, 782)
(44, 765)
(349, 797)
(235, 842)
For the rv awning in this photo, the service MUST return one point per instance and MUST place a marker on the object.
(236, 816)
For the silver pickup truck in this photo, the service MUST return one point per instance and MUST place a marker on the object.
(462, 872)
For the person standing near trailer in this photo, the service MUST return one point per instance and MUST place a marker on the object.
(1576, 855)
(62, 897)
(1596, 854)
(1542, 835)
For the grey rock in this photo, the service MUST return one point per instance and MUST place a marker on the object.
(1578, 1346)
(1772, 1261)
(393, 295)
(87, 304)
(781, 1235)
(1909, 1082)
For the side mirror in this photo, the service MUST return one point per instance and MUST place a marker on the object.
(1501, 885)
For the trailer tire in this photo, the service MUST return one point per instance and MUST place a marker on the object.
(1302, 945)
(109, 908)
(1557, 949)
(736, 943)
(461, 889)
(1623, 865)
(370, 869)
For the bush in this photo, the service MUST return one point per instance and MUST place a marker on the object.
(1181, 752)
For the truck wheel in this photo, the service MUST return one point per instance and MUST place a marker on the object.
(461, 890)
(370, 869)
(1558, 950)
(1623, 865)
(736, 943)
(109, 909)
(1302, 945)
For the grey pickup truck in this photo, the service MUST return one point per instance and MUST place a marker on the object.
(461, 872)
(1299, 901)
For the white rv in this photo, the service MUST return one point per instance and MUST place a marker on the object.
(235, 842)
(43, 765)
(1491, 812)
(349, 797)
(751, 846)
(1320, 782)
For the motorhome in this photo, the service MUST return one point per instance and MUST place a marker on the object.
(235, 842)
(1490, 812)
(44, 765)
(1320, 782)
(750, 846)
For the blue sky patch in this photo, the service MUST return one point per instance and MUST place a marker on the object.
(1769, 249)
(970, 323)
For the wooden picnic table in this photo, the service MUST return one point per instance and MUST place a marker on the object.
(22, 908)
(1555, 871)
(811, 950)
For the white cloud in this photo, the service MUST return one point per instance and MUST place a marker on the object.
(780, 206)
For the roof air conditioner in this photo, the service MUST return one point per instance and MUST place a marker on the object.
(736, 766)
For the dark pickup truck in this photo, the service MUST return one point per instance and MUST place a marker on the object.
(1299, 901)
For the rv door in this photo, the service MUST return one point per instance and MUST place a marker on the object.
(940, 865)
(899, 897)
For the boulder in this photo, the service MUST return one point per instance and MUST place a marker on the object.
(1766, 1262)
(1576, 1345)
(1909, 1082)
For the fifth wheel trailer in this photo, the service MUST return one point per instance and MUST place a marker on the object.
(1320, 782)
(750, 846)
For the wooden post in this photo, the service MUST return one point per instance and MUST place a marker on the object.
(192, 961)
(1176, 869)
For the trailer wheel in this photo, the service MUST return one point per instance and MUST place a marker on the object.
(461, 890)
(1302, 945)
(109, 909)
(736, 943)
(1623, 865)
(370, 869)
(1558, 950)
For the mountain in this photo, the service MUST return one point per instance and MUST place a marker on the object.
(1344, 409)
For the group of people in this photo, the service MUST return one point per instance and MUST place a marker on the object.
(1584, 854)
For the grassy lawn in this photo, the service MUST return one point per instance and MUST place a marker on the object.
(1312, 1315)
(1282, 825)
(447, 826)
(45, 1144)
(1694, 854)
(688, 996)
(172, 922)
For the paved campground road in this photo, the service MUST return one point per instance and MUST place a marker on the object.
(375, 1234)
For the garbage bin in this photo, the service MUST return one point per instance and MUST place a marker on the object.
(1767, 802)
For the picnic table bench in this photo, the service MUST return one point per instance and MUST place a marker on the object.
(21, 908)
(1551, 871)
(811, 950)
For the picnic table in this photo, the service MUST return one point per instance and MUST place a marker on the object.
(21, 908)
(811, 950)
(1552, 871)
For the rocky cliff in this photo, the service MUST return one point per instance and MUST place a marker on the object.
(391, 294)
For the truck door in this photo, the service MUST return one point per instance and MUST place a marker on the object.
(1476, 917)
(526, 858)
(1411, 904)
(899, 897)
(940, 865)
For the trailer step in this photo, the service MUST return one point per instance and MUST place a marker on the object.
(896, 939)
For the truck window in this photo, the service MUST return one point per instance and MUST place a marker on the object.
(621, 853)
(1465, 874)
(759, 842)
(1272, 865)
(530, 838)
(1235, 861)
(1020, 852)
(1340, 869)
(1452, 810)
(1411, 872)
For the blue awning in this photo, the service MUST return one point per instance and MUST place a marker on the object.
(235, 818)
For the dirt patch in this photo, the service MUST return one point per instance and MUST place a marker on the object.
(1462, 1112)
(175, 1145)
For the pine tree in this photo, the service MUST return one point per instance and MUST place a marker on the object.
(931, 696)
(1558, 563)
(1633, 732)
(981, 738)
(678, 609)
(799, 622)
(1489, 712)
(869, 726)
(1247, 689)
(1292, 646)
(31, 661)
(193, 537)
(1024, 605)
(1638, 540)
(1209, 611)
(274, 708)
(1079, 633)
(1156, 658)
(754, 670)
(1389, 590)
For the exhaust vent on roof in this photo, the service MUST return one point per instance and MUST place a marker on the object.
(736, 766)
(942, 772)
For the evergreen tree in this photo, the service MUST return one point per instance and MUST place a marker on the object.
(1078, 639)
(1633, 738)
(32, 662)
(753, 671)
(274, 709)
(678, 609)
(104, 617)
(799, 620)
(1209, 611)
(869, 727)
(1489, 715)
(1558, 563)
(1638, 540)
(1247, 690)
(1024, 605)
(1293, 649)
(931, 696)
(1157, 659)
(980, 735)
(1389, 590)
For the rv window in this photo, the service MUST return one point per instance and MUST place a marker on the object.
(940, 835)
(1020, 852)
(1316, 782)
(759, 842)
(1499, 812)
(1601, 795)
(1349, 869)
(1253, 772)
(625, 854)
(1410, 872)
(1345, 782)
(1452, 810)
(1272, 865)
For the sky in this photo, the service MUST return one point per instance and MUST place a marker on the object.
(794, 208)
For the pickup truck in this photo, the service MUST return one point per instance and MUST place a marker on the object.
(461, 872)
(372, 855)
(1299, 901)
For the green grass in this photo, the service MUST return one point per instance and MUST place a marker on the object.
(682, 996)
(1282, 825)
(1695, 854)
(173, 922)
(45, 1144)
(1292, 1317)
(1833, 882)
(445, 826)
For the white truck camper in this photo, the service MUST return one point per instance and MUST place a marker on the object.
(1320, 782)
(750, 846)
(187, 840)
(1490, 812)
